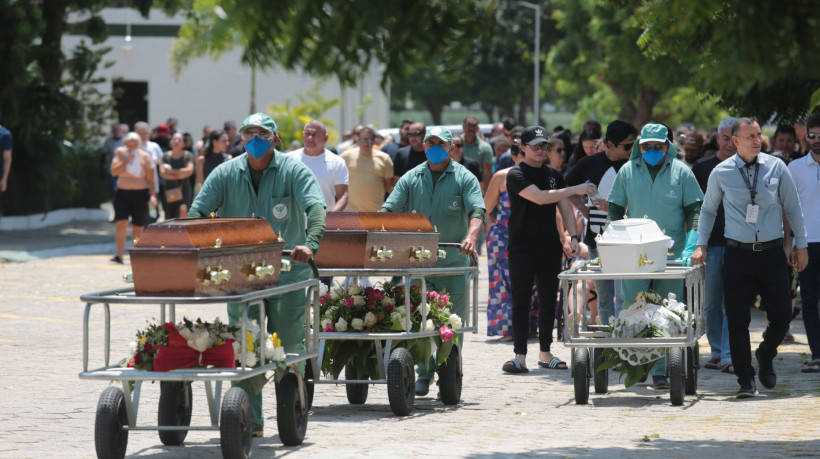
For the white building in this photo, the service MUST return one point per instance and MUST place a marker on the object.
(210, 92)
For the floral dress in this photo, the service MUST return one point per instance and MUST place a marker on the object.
(499, 303)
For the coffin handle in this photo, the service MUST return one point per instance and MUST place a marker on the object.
(285, 265)
(128, 278)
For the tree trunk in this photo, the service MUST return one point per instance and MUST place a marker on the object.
(522, 113)
(51, 56)
(435, 107)
(489, 110)
(646, 102)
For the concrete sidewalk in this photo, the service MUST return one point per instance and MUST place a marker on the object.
(75, 238)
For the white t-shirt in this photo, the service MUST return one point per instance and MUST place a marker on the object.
(330, 170)
(806, 175)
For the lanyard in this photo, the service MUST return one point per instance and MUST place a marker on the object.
(752, 187)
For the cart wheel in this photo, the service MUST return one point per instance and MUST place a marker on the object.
(175, 403)
(356, 393)
(309, 385)
(692, 356)
(581, 375)
(401, 382)
(676, 383)
(236, 424)
(601, 377)
(291, 417)
(110, 439)
(450, 378)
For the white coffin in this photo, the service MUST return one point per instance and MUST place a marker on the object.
(633, 245)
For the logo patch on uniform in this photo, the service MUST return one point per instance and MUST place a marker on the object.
(455, 205)
(671, 194)
(280, 211)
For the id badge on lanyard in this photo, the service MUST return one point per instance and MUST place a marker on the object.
(752, 209)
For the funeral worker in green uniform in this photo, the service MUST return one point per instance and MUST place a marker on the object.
(265, 183)
(655, 184)
(450, 196)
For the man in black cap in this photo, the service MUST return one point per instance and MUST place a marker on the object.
(535, 247)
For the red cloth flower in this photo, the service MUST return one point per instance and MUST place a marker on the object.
(177, 354)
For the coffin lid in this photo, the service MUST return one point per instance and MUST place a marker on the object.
(378, 221)
(196, 233)
(632, 231)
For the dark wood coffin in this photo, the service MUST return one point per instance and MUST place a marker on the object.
(206, 257)
(378, 240)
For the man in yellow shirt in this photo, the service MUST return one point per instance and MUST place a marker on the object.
(371, 174)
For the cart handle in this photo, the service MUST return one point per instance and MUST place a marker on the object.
(456, 245)
(311, 262)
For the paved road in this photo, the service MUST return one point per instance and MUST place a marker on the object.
(46, 411)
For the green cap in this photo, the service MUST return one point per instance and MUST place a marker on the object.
(440, 132)
(654, 133)
(260, 120)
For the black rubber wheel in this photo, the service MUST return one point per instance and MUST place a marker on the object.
(236, 425)
(291, 416)
(581, 375)
(110, 439)
(601, 377)
(356, 393)
(175, 404)
(401, 382)
(309, 386)
(676, 383)
(692, 359)
(450, 378)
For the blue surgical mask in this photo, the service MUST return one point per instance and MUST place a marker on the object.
(257, 147)
(436, 155)
(653, 157)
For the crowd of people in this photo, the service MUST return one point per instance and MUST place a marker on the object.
(542, 197)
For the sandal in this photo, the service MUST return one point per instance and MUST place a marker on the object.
(555, 364)
(811, 367)
(713, 363)
(506, 339)
(728, 368)
(789, 338)
(514, 366)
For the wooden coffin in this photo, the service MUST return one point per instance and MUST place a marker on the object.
(207, 257)
(378, 240)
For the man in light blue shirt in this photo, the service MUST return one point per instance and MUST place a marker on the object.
(756, 191)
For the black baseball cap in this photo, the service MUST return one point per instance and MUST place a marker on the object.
(534, 135)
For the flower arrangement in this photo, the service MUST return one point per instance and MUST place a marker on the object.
(165, 347)
(382, 309)
(649, 317)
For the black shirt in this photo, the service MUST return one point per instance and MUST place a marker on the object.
(594, 168)
(391, 149)
(532, 226)
(702, 169)
(472, 166)
(406, 159)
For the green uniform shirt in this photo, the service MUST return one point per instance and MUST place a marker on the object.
(447, 205)
(480, 151)
(662, 199)
(287, 190)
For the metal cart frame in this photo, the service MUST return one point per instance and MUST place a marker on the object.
(585, 338)
(292, 398)
(394, 368)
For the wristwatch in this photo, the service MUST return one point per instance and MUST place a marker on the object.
(575, 236)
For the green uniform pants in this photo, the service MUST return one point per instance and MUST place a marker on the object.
(285, 315)
(456, 287)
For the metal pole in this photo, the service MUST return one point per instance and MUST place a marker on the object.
(536, 109)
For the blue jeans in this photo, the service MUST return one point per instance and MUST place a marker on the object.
(610, 302)
(810, 295)
(717, 327)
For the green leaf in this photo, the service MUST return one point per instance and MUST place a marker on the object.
(815, 100)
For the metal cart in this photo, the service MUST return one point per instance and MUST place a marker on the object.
(588, 340)
(118, 408)
(395, 366)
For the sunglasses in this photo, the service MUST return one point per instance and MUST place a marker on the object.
(366, 140)
(648, 146)
(414, 134)
(560, 149)
(263, 134)
(540, 146)
(813, 135)
(627, 146)
(459, 145)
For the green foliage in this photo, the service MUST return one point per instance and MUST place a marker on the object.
(291, 120)
(328, 37)
(761, 58)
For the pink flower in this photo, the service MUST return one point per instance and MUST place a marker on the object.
(446, 333)
(365, 331)
(444, 298)
(400, 289)
(348, 302)
(328, 328)
(415, 288)
(432, 296)
(377, 294)
(368, 291)
(389, 307)
(370, 304)
(322, 299)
